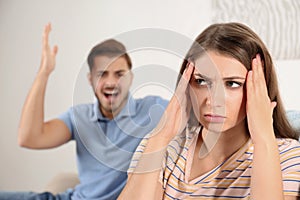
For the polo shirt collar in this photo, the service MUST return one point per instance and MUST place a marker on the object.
(128, 110)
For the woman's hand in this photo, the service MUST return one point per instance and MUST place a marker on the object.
(266, 177)
(177, 112)
(259, 106)
(48, 54)
(144, 181)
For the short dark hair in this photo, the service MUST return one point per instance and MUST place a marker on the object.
(110, 48)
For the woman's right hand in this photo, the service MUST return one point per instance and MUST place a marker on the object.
(172, 123)
(48, 54)
(177, 113)
(144, 181)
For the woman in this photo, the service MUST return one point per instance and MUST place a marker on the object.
(237, 143)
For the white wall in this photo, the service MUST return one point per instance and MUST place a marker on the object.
(77, 26)
(288, 72)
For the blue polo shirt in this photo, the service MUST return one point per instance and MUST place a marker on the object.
(105, 147)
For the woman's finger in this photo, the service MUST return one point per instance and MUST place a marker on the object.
(174, 117)
(273, 105)
(260, 69)
(180, 92)
(249, 84)
(185, 78)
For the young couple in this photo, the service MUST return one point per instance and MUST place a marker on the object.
(223, 135)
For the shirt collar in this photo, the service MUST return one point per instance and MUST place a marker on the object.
(128, 110)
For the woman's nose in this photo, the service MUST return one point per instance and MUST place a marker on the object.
(216, 95)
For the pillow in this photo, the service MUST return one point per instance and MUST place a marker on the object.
(294, 119)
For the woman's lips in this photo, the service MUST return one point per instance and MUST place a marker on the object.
(213, 118)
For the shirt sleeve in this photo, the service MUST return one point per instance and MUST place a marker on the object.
(152, 166)
(290, 166)
(137, 154)
(66, 117)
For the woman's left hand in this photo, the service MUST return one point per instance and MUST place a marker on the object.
(259, 106)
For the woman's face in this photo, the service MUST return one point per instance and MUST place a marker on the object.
(217, 91)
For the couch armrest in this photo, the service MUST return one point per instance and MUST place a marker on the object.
(61, 182)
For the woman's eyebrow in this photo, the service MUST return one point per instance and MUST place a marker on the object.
(234, 77)
(202, 76)
(225, 78)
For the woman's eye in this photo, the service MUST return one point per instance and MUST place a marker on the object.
(233, 84)
(201, 81)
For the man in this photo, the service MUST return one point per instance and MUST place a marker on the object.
(106, 132)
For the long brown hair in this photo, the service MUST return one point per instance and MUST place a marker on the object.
(240, 42)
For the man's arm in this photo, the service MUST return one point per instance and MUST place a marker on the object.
(33, 132)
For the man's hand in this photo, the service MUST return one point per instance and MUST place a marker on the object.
(48, 54)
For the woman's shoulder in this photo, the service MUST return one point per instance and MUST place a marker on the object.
(285, 144)
(289, 150)
(290, 164)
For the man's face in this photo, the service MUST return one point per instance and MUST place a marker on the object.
(111, 79)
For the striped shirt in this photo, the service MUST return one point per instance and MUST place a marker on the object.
(230, 180)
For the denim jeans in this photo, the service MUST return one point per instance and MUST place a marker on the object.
(34, 196)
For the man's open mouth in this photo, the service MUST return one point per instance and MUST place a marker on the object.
(111, 94)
